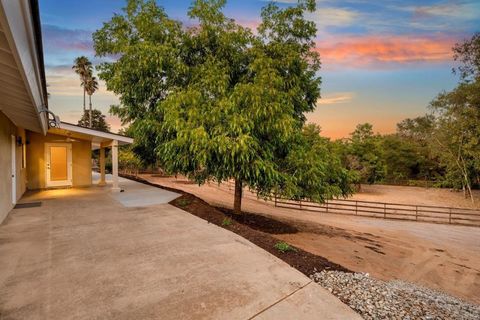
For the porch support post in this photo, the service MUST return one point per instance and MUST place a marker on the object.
(115, 187)
(102, 167)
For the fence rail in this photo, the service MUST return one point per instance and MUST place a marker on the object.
(383, 210)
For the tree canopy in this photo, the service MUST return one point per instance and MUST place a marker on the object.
(467, 53)
(98, 121)
(217, 101)
(364, 154)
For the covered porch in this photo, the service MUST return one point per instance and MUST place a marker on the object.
(68, 156)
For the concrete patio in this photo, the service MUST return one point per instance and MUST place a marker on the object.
(92, 254)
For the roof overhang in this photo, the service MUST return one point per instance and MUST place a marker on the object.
(22, 75)
(97, 137)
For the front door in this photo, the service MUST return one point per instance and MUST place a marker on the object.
(59, 164)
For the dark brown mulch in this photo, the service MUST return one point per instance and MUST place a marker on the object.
(255, 228)
(260, 223)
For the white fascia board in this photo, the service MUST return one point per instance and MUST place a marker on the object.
(95, 133)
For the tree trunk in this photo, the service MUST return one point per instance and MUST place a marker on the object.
(468, 189)
(84, 108)
(237, 202)
(90, 111)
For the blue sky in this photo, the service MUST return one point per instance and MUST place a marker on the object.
(382, 61)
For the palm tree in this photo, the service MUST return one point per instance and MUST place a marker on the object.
(83, 67)
(91, 85)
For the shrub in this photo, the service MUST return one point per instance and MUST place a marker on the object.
(183, 202)
(226, 222)
(282, 246)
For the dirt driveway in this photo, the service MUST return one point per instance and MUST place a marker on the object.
(438, 256)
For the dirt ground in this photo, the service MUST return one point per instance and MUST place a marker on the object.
(441, 257)
(417, 196)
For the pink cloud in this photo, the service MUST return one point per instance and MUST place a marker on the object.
(368, 51)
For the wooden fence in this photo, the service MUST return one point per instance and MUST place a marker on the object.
(382, 210)
(396, 211)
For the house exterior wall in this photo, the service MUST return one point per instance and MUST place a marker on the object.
(7, 129)
(81, 160)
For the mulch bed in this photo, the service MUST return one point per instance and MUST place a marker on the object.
(255, 228)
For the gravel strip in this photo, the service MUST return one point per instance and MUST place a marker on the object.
(376, 299)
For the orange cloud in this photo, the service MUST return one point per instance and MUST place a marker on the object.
(378, 50)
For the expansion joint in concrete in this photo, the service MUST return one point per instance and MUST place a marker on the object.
(279, 300)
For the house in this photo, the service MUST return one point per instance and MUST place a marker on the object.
(37, 150)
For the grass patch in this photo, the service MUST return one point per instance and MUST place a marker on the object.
(227, 222)
(183, 202)
(282, 246)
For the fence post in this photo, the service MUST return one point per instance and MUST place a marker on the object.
(416, 213)
(326, 202)
(449, 215)
(384, 211)
(300, 202)
(356, 207)
(275, 199)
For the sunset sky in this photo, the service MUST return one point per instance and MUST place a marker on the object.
(382, 61)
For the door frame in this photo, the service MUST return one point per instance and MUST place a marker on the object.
(61, 183)
(14, 169)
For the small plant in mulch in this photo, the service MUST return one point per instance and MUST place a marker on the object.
(283, 247)
(226, 222)
(183, 202)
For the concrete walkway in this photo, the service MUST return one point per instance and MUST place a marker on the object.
(90, 254)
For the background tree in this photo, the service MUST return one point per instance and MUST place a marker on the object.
(402, 159)
(315, 162)
(457, 113)
(144, 144)
(417, 132)
(83, 67)
(467, 53)
(457, 134)
(98, 121)
(451, 130)
(364, 154)
(128, 161)
(91, 85)
(222, 102)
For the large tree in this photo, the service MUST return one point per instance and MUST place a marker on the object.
(221, 101)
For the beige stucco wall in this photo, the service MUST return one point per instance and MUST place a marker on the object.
(7, 129)
(81, 160)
